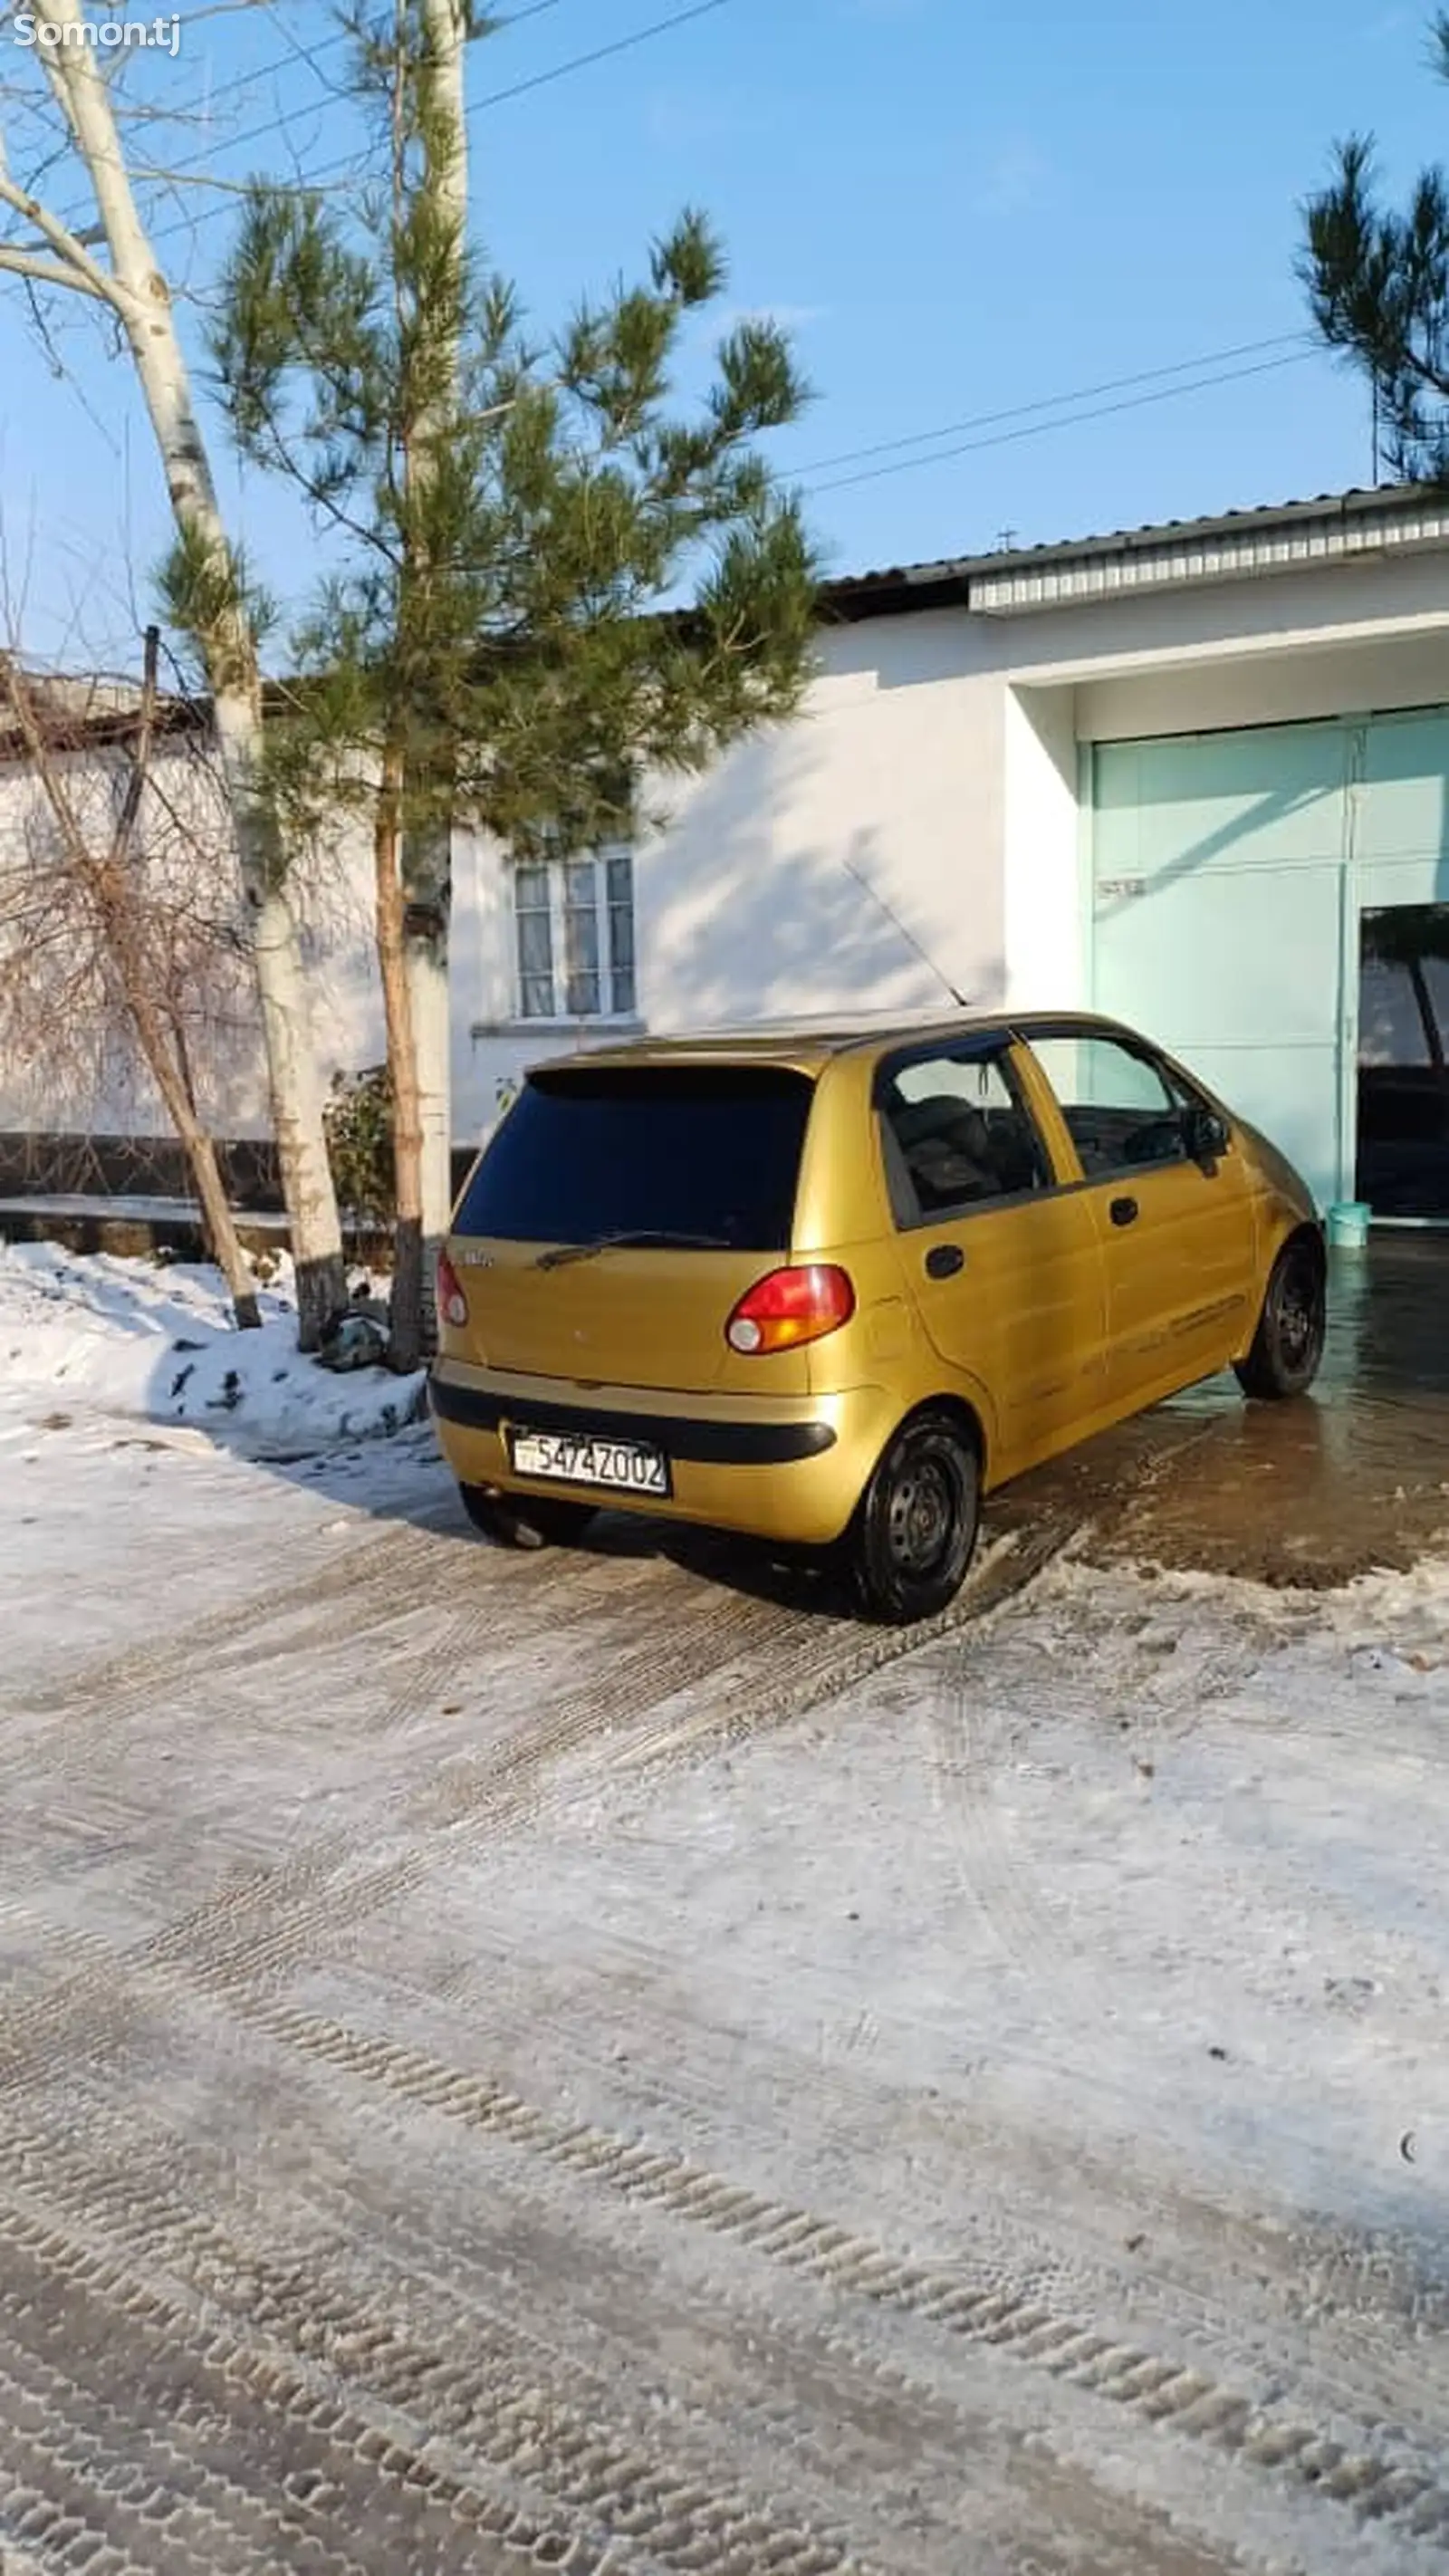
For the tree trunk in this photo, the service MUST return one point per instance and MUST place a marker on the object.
(293, 1079)
(427, 892)
(201, 1154)
(427, 852)
(229, 653)
(406, 1341)
(226, 1246)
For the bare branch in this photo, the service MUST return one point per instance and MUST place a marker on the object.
(77, 268)
(118, 942)
(45, 272)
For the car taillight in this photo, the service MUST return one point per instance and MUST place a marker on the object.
(452, 1304)
(789, 1307)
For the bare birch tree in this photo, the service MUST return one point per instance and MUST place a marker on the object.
(118, 928)
(208, 597)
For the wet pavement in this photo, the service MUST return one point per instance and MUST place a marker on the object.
(1353, 1476)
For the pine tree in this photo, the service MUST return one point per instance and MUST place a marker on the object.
(556, 578)
(1378, 287)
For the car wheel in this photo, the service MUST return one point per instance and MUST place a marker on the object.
(915, 1526)
(515, 1520)
(1288, 1345)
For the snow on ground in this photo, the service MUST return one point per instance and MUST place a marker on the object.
(390, 1901)
(1160, 1861)
(1098, 1958)
(155, 1339)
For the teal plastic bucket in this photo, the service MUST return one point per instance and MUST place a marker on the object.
(1348, 1225)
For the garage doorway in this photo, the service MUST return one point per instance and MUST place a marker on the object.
(1403, 1061)
(1231, 873)
(1218, 921)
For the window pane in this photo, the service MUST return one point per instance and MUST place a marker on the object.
(535, 943)
(1390, 1023)
(581, 938)
(1404, 994)
(956, 1135)
(620, 887)
(1117, 1103)
(700, 1151)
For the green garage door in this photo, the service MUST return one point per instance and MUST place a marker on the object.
(1229, 872)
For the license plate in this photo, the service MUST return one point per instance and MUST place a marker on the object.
(572, 1458)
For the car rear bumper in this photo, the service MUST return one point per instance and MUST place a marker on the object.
(791, 1469)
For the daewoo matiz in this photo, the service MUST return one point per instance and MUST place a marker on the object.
(829, 1290)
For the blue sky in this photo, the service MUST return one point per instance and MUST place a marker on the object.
(961, 209)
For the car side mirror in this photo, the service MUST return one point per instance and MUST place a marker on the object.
(1204, 1133)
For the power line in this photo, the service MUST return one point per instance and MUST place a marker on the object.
(260, 72)
(493, 98)
(1032, 428)
(601, 53)
(1052, 402)
(298, 52)
(1064, 420)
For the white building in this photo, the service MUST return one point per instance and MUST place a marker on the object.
(1168, 774)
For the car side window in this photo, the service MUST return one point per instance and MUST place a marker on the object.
(957, 1135)
(1121, 1106)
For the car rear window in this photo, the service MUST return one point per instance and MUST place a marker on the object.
(704, 1151)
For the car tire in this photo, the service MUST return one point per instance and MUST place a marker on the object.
(914, 1531)
(531, 1521)
(1288, 1344)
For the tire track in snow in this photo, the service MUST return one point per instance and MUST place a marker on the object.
(1090, 2053)
(100, 2468)
(1000, 2313)
(463, 2432)
(355, 1574)
(276, 1917)
(1022, 2325)
(175, 1963)
(807, 2405)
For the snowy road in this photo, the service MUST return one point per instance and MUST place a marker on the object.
(567, 2062)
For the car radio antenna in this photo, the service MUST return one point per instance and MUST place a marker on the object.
(905, 933)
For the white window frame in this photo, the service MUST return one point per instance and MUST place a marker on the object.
(618, 984)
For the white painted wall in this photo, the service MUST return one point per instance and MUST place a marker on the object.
(1371, 600)
(1045, 947)
(76, 1086)
(1288, 687)
(750, 903)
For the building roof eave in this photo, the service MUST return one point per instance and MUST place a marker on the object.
(1176, 554)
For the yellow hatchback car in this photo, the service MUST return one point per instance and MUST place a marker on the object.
(829, 1290)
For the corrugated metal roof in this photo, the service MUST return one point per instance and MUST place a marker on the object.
(82, 707)
(1203, 548)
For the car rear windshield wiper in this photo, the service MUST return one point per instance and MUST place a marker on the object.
(652, 1238)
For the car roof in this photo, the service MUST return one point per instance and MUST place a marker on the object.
(806, 1048)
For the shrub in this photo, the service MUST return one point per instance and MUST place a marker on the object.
(358, 1119)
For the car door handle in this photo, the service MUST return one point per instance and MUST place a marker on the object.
(944, 1260)
(1124, 1211)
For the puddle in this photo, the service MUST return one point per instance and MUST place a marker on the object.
(1312, 1492)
